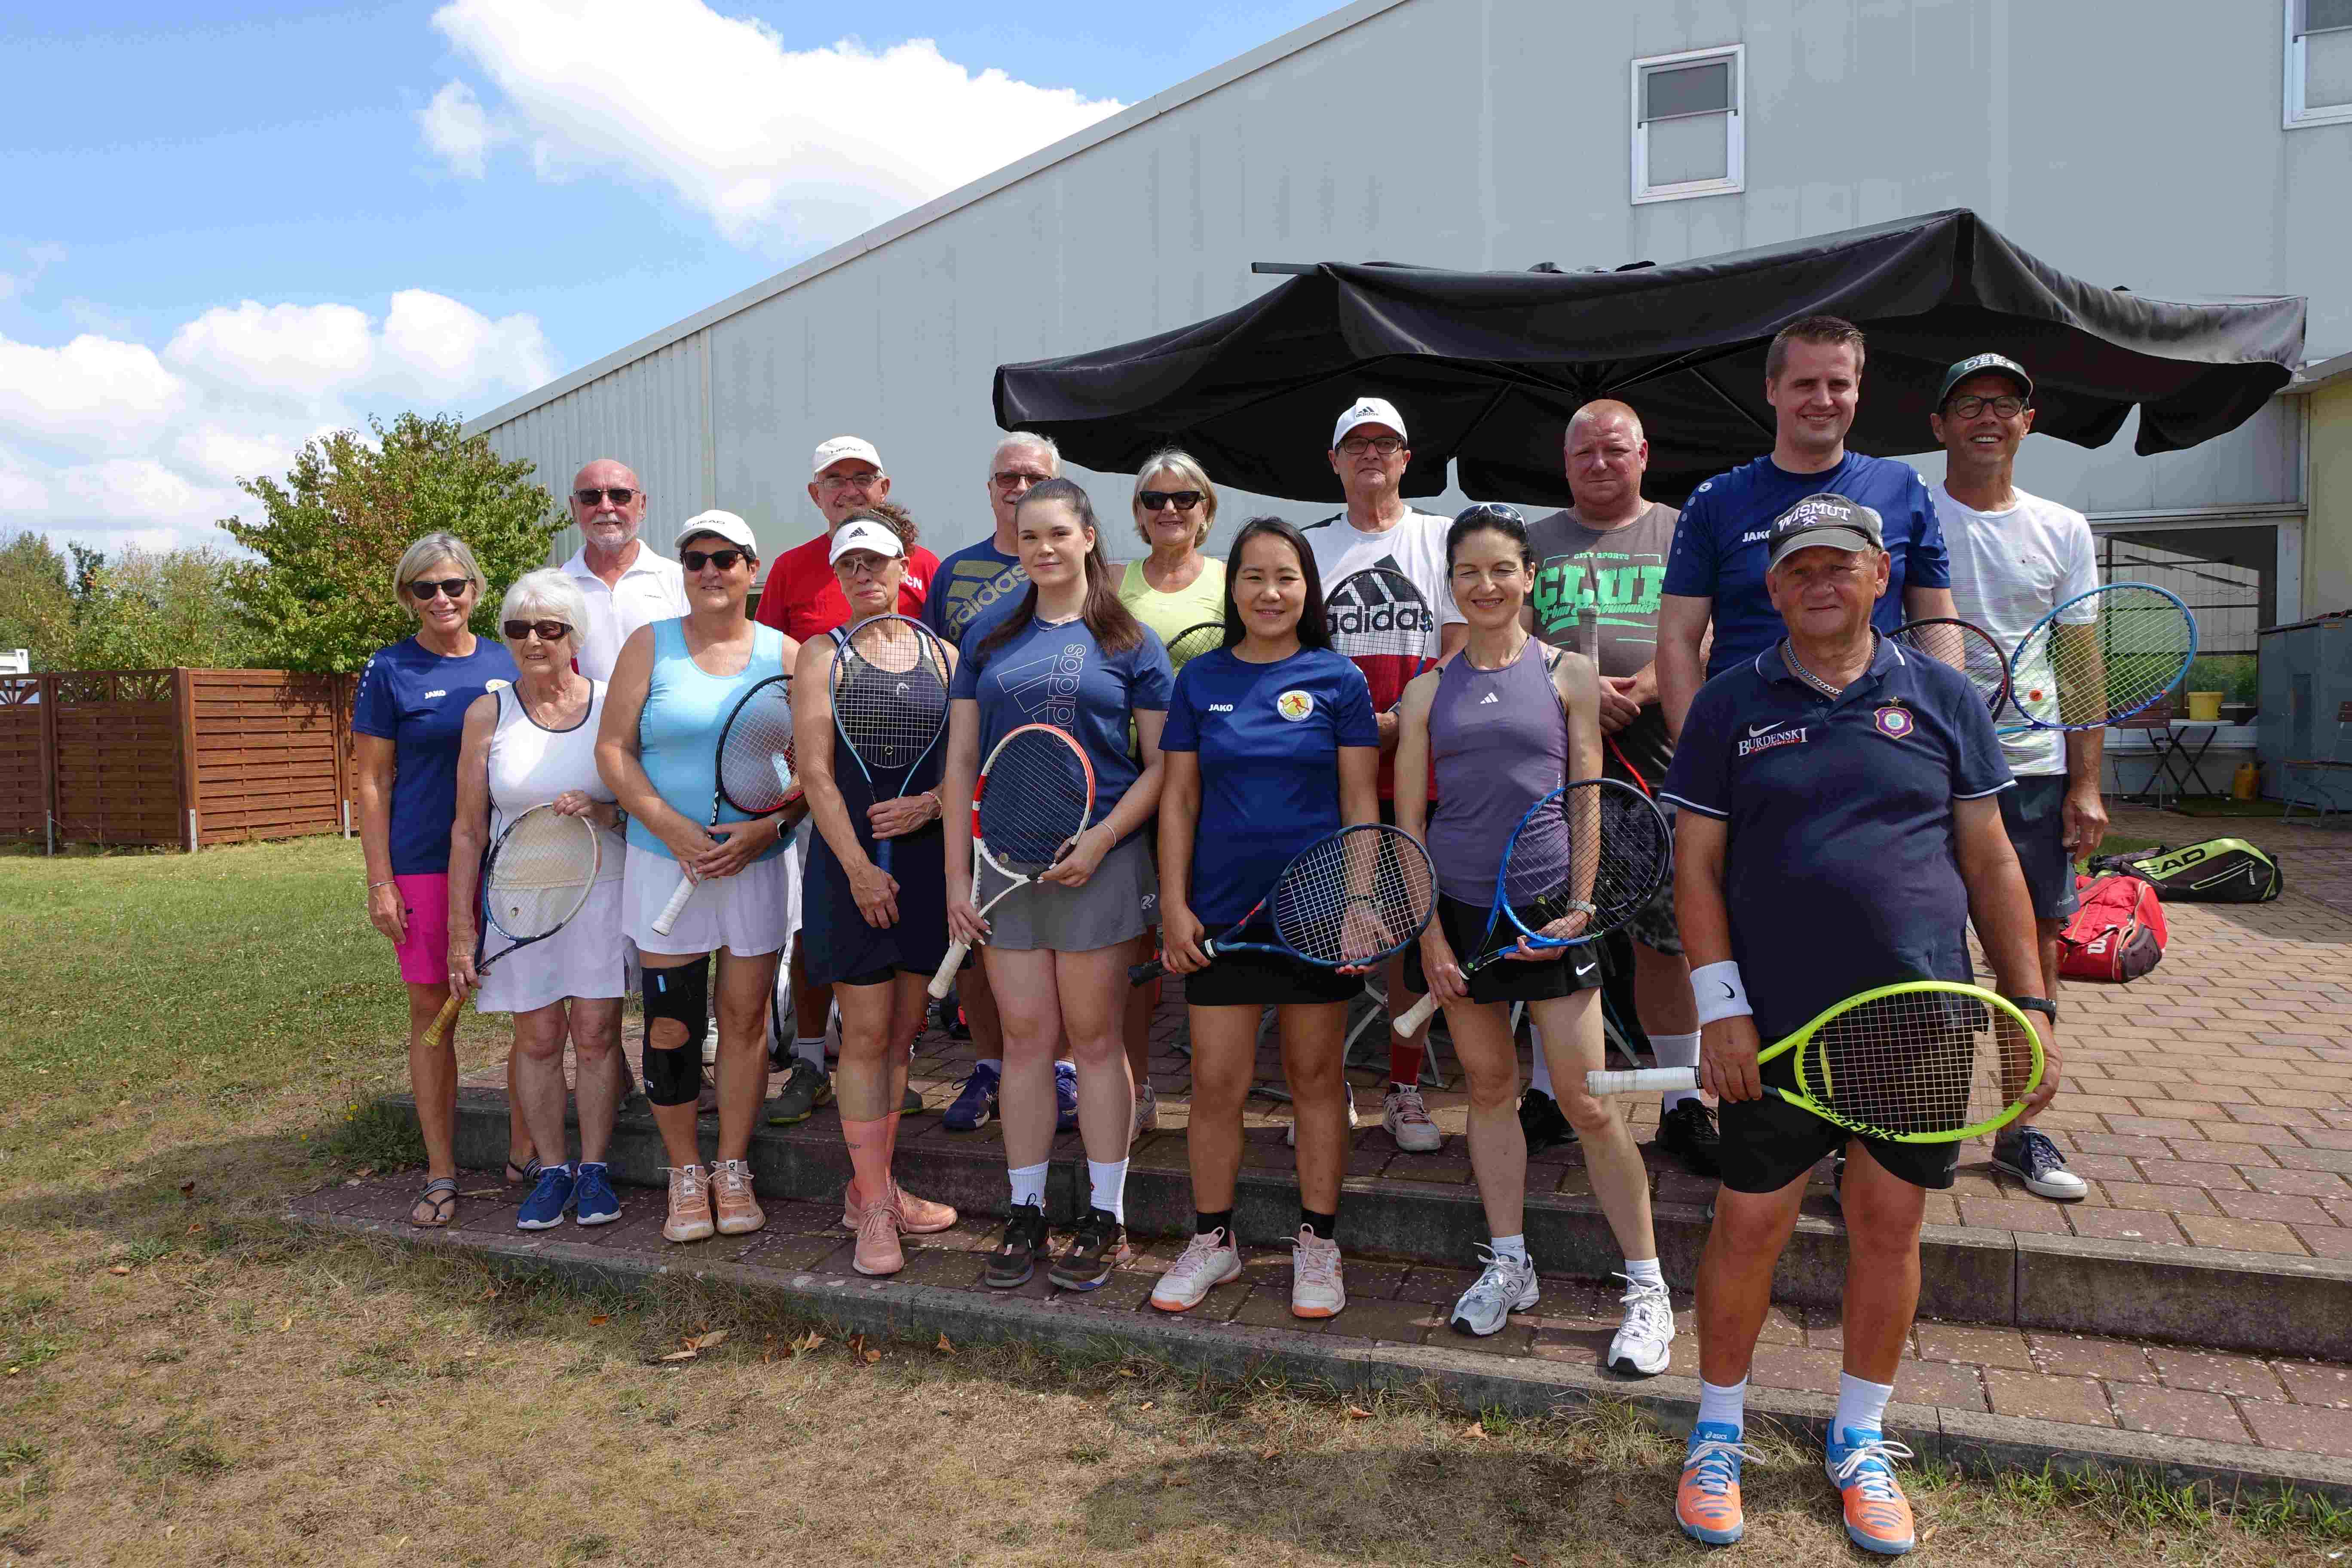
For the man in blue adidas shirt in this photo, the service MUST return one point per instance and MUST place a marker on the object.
(1812, 378)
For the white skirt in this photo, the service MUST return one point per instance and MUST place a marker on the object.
(749, 913)
(587, 958)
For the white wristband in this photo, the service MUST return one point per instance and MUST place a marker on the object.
(1719, 991)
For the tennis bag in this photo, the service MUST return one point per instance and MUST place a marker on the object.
(2217, 871)
(2118, 933)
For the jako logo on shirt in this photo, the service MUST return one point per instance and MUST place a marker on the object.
(1754, 744)
(1294, 705)
(430, 696)
(1221, 707)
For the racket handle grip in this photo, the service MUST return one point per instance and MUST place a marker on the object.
(943, 979)
(445, 1018)
(1414, 1016)
(676, 905)
(1145, 972)
(1641, 1080)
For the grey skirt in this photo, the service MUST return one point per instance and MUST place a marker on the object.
(1118, 903)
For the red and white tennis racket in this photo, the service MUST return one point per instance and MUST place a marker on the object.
(1034, 795)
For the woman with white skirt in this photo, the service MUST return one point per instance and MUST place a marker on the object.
(534, 743)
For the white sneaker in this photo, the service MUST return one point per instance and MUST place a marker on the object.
(1291, 1128)
(1507, 1286)
(1315, 1288)
(1207, 1262)
(2028, 1153)
(1643, 1344)
(1147, 1113)
(1407, 1121)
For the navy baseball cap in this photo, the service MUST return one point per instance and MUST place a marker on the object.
(1985, 364)
(1828, 519)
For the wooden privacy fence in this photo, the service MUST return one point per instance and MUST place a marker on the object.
(188, 757)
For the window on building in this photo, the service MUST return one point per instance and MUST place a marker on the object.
(2318, 62)
(1688, 137)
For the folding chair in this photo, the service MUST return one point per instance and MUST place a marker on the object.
(2154, 723)
(2315, 792)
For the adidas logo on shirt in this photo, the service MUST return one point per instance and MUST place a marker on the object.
(1490, 697)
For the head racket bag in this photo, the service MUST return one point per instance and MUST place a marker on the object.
(2217, 871)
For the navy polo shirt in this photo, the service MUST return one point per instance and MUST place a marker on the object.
(1840, 873)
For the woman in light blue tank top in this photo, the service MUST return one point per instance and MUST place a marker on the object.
(673, 688)
(1501, 724)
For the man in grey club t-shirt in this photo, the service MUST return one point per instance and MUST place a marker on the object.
(1601, 566)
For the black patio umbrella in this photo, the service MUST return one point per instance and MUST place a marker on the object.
(1485, 367)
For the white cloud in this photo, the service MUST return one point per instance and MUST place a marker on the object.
(103, 436)
(776, 146)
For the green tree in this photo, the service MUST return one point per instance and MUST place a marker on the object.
(320, 596)
(36, 603)
(151, 610)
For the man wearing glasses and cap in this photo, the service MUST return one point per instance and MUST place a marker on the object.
(2016, 557)
(801, 599)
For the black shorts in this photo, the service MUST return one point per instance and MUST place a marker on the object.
(1505, 980)
(2035, 815)
(1264, 980)
(1767, 1143)
(882, 977)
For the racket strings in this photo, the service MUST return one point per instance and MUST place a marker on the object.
(1917, 1062)
(1354, 896)
(755, 769)
(2132, 650)
(891, 694)
(1194, 641)
(1593, 843)
(545, 865)
(1033, 800)
(1965, 648)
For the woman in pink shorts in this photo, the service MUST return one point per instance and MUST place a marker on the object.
(408, 722)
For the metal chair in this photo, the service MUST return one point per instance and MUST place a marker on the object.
(2154, 721)
(2313, 791)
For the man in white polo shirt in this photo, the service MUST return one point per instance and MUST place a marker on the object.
(625, 583)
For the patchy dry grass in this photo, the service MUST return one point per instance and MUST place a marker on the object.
(182, 1379)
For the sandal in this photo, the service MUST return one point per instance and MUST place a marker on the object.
(440, 1194)
(516, 1174)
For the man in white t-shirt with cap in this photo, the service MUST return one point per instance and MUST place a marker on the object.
(1369, 453)
(2014, 558)
(625, 583)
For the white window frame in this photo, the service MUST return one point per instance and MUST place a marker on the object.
(2298, 76)
(1735, 130)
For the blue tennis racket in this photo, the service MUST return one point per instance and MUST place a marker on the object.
(2100, 656)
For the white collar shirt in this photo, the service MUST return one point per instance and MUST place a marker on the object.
(651, 588)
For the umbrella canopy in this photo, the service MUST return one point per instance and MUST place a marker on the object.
(1486, 367)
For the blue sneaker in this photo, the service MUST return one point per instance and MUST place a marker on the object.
(1707, 1503)
(593, 1202)
(1861, 1464)
(975, 1104)
(543, 1210)
(1065, 1097)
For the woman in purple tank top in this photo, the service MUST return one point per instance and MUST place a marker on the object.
(1499, 725)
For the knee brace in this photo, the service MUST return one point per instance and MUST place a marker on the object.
(674, 1075)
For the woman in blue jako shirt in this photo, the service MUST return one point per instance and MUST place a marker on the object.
(1271, 744)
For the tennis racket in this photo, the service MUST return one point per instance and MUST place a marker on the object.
(1034, 795)
(889, 703)
(1353, 897)
(539, 873)
(754, 770)
(1193, 641)
(1385, 625)
(1967, 648)
(1928, 1061)
(2101, 657)
(1583, 861)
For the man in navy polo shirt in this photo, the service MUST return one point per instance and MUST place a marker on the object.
(1840, 826)
(1812, 378)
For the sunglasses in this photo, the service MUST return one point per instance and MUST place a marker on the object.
(696, 560)
(619, 495)
(1182, 500)
(549, 631)
(1009, 480)
(454, 586)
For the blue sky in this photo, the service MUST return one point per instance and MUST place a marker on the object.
(455, 202)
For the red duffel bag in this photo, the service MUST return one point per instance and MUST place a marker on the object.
(2118, 934)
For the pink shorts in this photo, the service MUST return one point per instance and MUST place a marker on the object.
(424, 953)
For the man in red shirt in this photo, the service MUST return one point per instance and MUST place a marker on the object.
(801, 599)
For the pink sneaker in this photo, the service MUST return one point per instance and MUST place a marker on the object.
(738, 1211)
(917, 1216)
(878, 1251)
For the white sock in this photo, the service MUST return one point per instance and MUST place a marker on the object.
(994, 1063)
(1675, 1051)
(1644, 1272)
(1107, 1187)
(1862, 1407)
(1513, 1247)
(810, 1048)
(1725, 1405)
(1029, 1184)
(1540, 1078)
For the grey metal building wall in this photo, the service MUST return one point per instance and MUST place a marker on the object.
(1494, 133)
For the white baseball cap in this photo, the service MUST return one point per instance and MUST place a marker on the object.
(1368, 411)
(828, 453)
(864, 534)
(726, 525)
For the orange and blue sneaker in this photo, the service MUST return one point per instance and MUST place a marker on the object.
(1707, 1504)
(1877, 1516)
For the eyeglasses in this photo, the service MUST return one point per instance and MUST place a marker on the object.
(863, 563)
(864, 481)
(619, 495)
(696, 560)
(454, 586)
(1011, 480)
(1182, 500)
(2008, 407)
(1386, 445)
(549, 631)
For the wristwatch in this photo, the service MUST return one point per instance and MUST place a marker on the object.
(2042, 1004)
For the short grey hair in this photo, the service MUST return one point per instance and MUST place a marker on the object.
(1026, 439)
(436, 547)
(547, 591)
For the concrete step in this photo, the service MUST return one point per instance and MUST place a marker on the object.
(2268, 1303)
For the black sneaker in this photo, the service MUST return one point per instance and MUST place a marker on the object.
(1540, 1121)
(1016, 1258)
(1100, 1247)
(1687, 1132)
